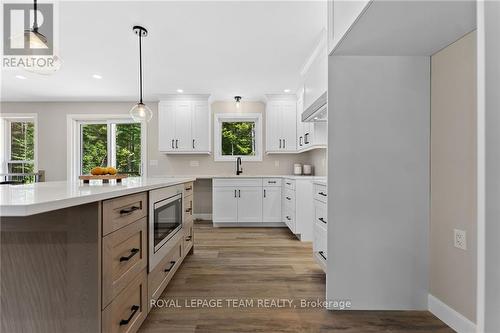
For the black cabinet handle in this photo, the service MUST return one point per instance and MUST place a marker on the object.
(322, 193)
(172, 264)
(173, 144)
(300, 141)
(188, 238)
(306, 140)
(129, 210)
(321, 253)
(176, 144)
(133, 252)
(289, 183)
(288, 218)
(193, 143)
(288, 198)
(134, 309)
(188, 210)
(284, 143)
(235, 195)
(239, 193)
(264, 193)
(188, 188)
(322, 220)
(280, 143)
(271, 182)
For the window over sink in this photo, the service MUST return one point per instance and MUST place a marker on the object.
(238, 135)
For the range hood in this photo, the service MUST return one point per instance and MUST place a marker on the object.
(318, 111)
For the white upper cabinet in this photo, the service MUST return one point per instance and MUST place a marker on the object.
(184, 124)
(342, 14)
(281, 124)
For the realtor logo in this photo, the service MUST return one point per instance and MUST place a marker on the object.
(28, 37)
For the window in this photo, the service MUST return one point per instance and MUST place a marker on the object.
(114, 141)
(238, 135)
(19, 146)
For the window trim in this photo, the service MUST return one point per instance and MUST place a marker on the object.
(219, 118)
(6, 118)
(74, 121)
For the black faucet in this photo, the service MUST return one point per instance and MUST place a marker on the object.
(239, 170)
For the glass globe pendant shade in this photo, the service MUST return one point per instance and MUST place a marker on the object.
(141, 112)
(31, 38)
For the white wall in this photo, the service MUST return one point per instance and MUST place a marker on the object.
(52, 141)
(492, 71)
(378, 178)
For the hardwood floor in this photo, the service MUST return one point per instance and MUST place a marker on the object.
(262, 263)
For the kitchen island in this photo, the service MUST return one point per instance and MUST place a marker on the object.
(74, 257)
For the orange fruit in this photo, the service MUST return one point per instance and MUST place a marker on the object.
(111, 170)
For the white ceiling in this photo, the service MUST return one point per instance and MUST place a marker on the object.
(223, 48)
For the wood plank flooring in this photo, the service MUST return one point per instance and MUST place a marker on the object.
(262, 263)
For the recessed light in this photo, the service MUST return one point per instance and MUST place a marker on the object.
(97, 76)
(180, 91)
(20, 77)
(286, 91)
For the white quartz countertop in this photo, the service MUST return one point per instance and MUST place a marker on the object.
(260, 176)
(30, 199)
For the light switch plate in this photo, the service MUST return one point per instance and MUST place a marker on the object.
(153, 162)
(194, 163)
(460, 239)
(276, 163)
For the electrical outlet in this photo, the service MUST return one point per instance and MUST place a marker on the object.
(153, 162)
(194, 163)
(460, 239)
(276, 163)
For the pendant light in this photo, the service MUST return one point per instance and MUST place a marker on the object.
(237, 99)
(140, 111)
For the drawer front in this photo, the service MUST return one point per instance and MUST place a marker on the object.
(159, 277)
(289, 183)
(289, 219)
(188, 208)
(188, 237)
(320, 193)
(119, 212)
(271, 182)
(188, 189)
(129, 309)
(320, 239)
(320, 214)
(124, 255)
(236, 182)
(289, 198)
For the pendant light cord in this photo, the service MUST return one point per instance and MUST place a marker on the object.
(35, 21)
(140, 64)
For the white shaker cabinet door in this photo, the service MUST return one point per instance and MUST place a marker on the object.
(288, 125)
(200, 127)
(183, 137)
(274, 141)
(271, 205)
(225, 204)
(249, 204)
(166, 126)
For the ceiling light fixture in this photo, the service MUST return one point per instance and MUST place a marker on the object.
(20, 77)
(237, 99)
(97, 76)
(140, 111)
(286, 91)
(180, 91)
(32, 37)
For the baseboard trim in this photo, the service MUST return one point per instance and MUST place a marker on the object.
(249, 224)
(449, 316)
(205, 217)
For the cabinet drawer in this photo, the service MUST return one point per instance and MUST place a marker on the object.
(289, 198)
(236, 182)
(188, 237)
(289, 184)
(129, 309)
(320, 239)
(188, 189)
(119, 212)
(289, 219)
(188, 209)
(320, 193)
(271, 182)
(320, 214)
(124, 255)
(159, 277)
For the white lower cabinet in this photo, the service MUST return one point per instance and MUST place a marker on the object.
(271, 204)
(320, 243)
(250, 204)
(297, 207)
(225, 204)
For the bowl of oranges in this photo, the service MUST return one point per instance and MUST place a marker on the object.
(103, 173)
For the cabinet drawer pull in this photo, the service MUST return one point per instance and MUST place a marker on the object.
(172, 264)
(133, 252)
(289, 183)
(134, 309)
(129, 210)
(264, 193)
(321, 253)
(322, 220)
(271, 182)
(288, 218)
(188, 238)
(193, 143)
(322, 193)
(189, 188)
(288, 198)
(188, 210)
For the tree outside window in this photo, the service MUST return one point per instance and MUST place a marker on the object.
(238, 138)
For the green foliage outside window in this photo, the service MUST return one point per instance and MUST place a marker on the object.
(238, 138)
(94, 146)
(22, 148)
